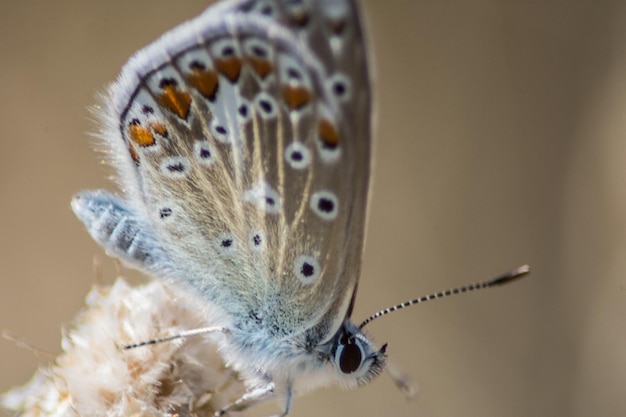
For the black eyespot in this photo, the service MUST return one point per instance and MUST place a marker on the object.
(227, 243)
(258, 51)
(267, 10)
(339, 88)
(297, 156)
(168, 82)
(178, 167)
(293, 73)
(270, 201)
(205, 153)
(228, 51)
(337, 26)
(175, 167)
(197, 65)
(256, 239)
(307, 269)
(350, 358)
(165, 212)
(147, 109)
(266, 106)
(220, 129)
(243, 110)
(325, 205)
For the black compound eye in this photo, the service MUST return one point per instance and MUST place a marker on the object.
(350, 358)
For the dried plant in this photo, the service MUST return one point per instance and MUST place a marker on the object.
(94, 376)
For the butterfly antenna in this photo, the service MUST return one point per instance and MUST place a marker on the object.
(501, 280)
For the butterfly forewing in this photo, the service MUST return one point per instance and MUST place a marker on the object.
(249, 136)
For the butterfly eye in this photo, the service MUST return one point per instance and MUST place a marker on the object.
(349, 356)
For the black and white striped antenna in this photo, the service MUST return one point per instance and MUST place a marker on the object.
(513, 275)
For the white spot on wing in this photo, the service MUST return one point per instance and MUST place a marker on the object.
(307, 269)
(297, 155)
(340, 87)
(266, 105)
(244, 111)
(204, 153)
(328, 155)
(325, 205)
(220, 131)
(256, 241)
(225, 48)
(264, 197)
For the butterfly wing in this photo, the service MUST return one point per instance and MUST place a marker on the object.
(242, 141)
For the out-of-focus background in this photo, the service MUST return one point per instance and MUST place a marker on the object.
(501, 140)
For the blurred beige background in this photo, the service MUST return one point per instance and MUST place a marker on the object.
(501, 140)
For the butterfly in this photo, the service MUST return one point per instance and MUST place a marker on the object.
(242, 142)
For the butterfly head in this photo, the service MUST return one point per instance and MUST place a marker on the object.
(354, 356)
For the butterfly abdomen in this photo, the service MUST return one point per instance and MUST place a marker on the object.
(114, 226)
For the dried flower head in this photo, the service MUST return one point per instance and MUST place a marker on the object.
(94, 376)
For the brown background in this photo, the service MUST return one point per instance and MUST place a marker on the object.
(500, 141)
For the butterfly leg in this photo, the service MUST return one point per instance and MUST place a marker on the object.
(255, 396)
(288, 400)
(249, 399)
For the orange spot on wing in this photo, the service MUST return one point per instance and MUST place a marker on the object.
(159, 128)
(300, 19)
(205, 81)
(133, 153)
(175, 100)
(261, 66)
(296, 97)
(229, 67)
(328, 133)
(140, 135)
(337, 26)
